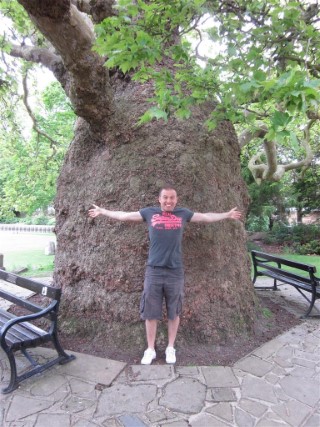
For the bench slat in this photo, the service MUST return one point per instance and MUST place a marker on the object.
(20, 301)
(32, 285)
(284, 273)
(290, 281)
(20, 332)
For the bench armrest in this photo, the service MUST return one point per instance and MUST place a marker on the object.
(47, 310)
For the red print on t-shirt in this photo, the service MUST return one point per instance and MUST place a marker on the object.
(166, 221)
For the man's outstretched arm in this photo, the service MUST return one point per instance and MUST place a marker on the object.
(117, 215)
(213, 217)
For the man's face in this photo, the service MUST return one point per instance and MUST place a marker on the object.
(168, 200)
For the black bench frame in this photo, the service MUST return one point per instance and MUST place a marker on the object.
(17, 333)
(263, 265)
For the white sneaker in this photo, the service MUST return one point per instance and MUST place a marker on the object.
(170, 355)
(148, 356)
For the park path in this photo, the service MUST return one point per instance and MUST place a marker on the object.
(10, 241)
(276, 385)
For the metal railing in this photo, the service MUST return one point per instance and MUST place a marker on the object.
(24, 228)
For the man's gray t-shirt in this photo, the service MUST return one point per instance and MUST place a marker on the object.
(165, 233)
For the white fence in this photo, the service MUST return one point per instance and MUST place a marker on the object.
(24, 228)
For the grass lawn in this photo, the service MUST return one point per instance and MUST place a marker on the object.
(27, 250)
(34, 260)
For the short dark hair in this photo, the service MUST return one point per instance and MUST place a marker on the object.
(167, 187)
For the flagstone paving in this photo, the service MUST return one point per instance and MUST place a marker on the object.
(276, 385)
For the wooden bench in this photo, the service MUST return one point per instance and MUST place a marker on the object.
(19, 333)
(289, 272)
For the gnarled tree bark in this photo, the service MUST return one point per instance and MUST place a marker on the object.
(113, 163)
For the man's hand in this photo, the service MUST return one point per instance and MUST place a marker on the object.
(234, 214)
(94, 212)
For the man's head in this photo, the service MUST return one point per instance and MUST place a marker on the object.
(168, 198)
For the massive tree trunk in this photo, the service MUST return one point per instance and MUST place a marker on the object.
(115, 164)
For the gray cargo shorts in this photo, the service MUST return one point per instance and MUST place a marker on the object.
(159, 283)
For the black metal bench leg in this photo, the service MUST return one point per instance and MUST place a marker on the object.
(13, 384)
(311, 302)
(29, 357)
(66, 357)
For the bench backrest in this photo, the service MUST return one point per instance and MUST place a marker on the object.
(267, 257)
(261, 259)
(30, 284)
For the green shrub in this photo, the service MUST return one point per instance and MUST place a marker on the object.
(269, 239)
(257, 223)
(280, 232)
(252, 246)
(36, 220)
(40, 220)
(311, 248)
(300, 234)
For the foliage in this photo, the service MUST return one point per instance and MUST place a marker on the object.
(258, 223)
(305, 190)
(310, 248)
(35, 128)
(30, 162)
(256, 63)
(266, 200)
(37, 220)
(264, 67)
(301, 239)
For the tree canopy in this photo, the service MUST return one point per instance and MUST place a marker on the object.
(258, 63)
(262, 71)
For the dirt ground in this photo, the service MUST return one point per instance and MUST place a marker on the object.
(272, 320)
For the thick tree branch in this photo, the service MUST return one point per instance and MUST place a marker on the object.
(42, 56)
(306, 162)
(271, 170)
(38, 55)
(72, 36)
(313, 68)
(248, 135)
(97, 9)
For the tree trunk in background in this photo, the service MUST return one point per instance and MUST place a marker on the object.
(100, 263)
(299, 215)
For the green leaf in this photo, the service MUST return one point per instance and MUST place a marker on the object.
(153, 113)
(294, 140)
(280, 119)
(183, 113)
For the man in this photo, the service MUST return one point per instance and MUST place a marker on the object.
(164, 277)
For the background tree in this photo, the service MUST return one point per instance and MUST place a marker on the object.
(306, 192)
(114, 162)
(33, 146)
(272, 201)
(272, 65)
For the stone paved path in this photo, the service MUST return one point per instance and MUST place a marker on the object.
(276, 385)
